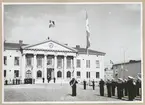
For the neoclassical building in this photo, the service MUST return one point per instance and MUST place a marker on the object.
(50, 59)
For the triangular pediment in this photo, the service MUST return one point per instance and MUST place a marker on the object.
(50, 45)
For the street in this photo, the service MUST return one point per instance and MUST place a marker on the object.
(53, 92)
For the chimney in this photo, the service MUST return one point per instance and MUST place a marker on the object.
(20, 43)
(77, 46)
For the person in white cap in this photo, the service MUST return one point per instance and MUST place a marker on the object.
(120, 88)
(130, 88)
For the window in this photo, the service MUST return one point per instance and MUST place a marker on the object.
(28, 74)
(39, 74)
(16, 73)
(97, 64)
(59, 63)
(78, 73)
(16, 61)
(68, 62)
(49, 61)
(68, 74)
(78, 63)
(87, 63)
(98, 75)
(5, 73)
(5, 60)
(59, 74)
(88, 74)
(29, 61)
(39, 62)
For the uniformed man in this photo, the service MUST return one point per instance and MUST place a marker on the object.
(120, 88)
(73, 83)
(93, 84)
(84, 82)
(125, 87)
(137, 87)
(101, 84)
(54, 79)
(113, 87)
(130, 88)
(108, 84)
(134, 87)
(43, 79)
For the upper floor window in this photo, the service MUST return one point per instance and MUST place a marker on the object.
(5, 60)
(16, 61)
(78, 74)
(98, 75)
(29, 61)
(87, 63)
(78, 63)
(97, 64)
(59, 62)
(49, 61)
(16, 73)
(5, 73)
(68, 62)
(39, 62)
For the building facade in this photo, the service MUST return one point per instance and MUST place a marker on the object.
(50, 59)
(108, 74)
(123, 70)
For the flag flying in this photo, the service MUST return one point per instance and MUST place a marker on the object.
(51, 23)
(87, 32)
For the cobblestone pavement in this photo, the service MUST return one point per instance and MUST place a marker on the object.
(53, 92)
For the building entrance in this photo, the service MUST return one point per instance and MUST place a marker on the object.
(50, 74)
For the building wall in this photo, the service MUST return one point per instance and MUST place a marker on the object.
(108, 74)
(132, 70)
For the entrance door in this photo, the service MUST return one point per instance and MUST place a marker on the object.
(49, 74)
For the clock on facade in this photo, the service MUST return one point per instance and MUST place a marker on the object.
(50, 45)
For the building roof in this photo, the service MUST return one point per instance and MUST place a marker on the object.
(92, 52)
(130, 62)
(13, 45)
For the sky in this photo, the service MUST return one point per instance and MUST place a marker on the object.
(114, 28)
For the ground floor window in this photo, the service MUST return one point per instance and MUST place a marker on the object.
(68, 74)
(39, 74)
(59, 74)
(78, 74)
(5, 73)
(16, 73)
(97, 75)
(28, 74)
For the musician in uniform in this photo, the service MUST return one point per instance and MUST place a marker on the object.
(84, 82)
(120, 88)
(101, 84)
(125, 87)
(73, 83)
(130, 88)
(113, 87)
(93, 84)
(108, 84)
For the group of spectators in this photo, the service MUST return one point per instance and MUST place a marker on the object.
(128, 87)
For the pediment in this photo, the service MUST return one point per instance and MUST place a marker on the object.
(50, 45)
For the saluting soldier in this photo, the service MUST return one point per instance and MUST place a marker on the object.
(113, 87)
(130, 88)
(108, 84)
(120, 88)
(101, 84)
(73, 83)
(93, 84)
(84, 82)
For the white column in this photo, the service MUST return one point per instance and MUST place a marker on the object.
(74, 66)
(55, 66)
(65, 66)
(34, 67)
(23, 70)
(45, 68)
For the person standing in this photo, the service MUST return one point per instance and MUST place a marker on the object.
(101, 84)
(93, 84)
(113, 87)
(73, 83)
(130, 88)
(43, 79)
(125, 87)
(108, 84)
(137, 87)
(84, 82)
(120, 88)
(54, 79)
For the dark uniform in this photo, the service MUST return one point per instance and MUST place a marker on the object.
(119, 89)
(130, 88)
(73, 83)
(125, 87)
(137, 87)
(101, 84)
(108, 84)
(84, 85)
(113, 87)
(93, 84)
